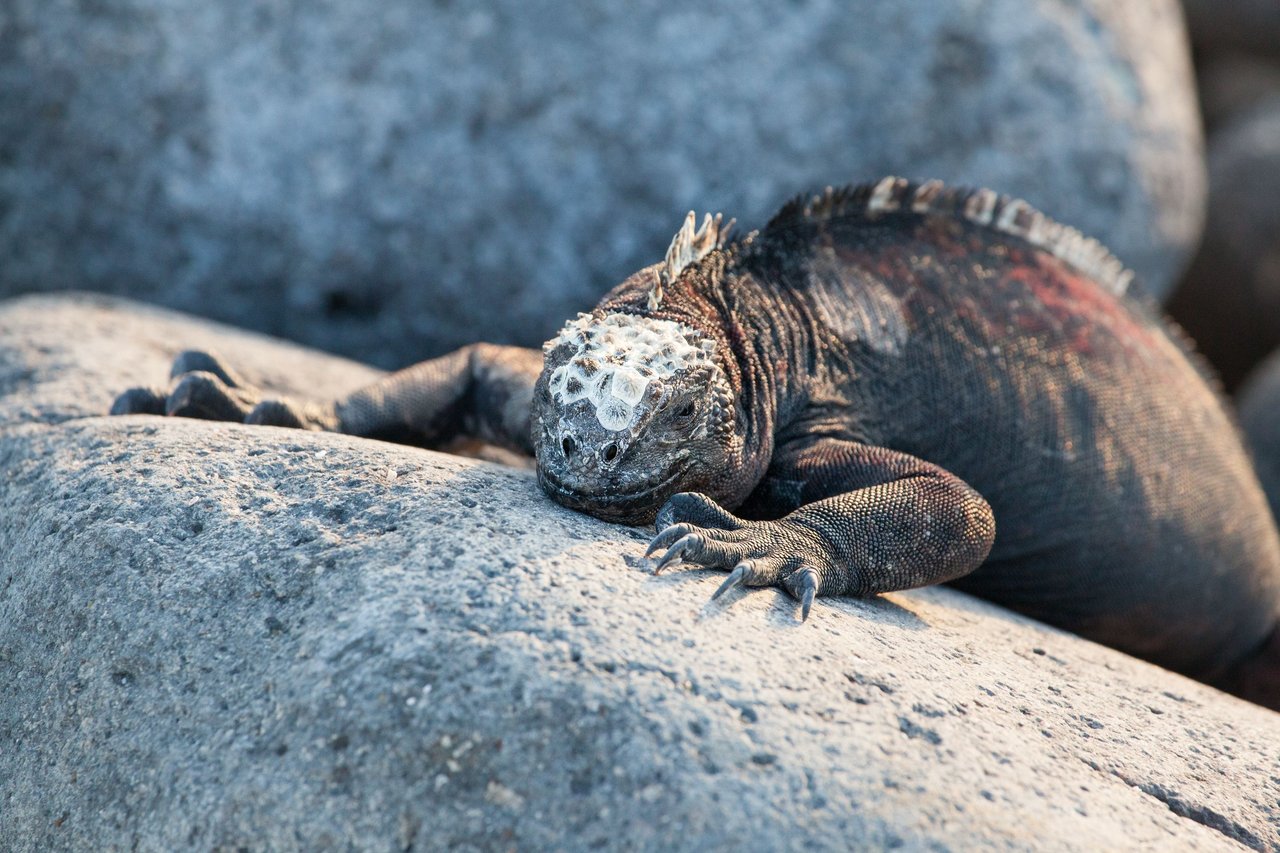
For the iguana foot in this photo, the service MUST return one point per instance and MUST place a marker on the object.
(203, 387)
(699, 532)
(140, 401)
(194, 395)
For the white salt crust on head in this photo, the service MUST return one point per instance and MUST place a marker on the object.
(616, 358)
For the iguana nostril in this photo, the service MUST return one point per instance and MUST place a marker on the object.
(568, 445)
(610, 452)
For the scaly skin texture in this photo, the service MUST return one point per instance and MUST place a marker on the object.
(890, 386)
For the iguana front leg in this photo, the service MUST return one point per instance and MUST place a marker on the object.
(482, 391)
(859, 520)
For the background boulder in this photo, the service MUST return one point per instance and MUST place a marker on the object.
(1230, 300)
(393, 180)
(1259, 410)
(217, 636)
(1233, 84)
(1229, 25)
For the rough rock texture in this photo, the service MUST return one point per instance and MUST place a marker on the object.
(1235, 24)
(1230, 299)
(393, 182)
(213, 635)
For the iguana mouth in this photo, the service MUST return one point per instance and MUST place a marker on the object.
(635, 507)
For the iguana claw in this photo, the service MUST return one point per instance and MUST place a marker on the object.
(687, 542)
(736, 578)
(139, 401)
(667, 537)
(804, 586)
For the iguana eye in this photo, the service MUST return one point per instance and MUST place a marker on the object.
(686, 411)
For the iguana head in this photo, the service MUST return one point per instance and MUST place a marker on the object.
(628, 411)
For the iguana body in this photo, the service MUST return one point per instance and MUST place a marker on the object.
(892, 386)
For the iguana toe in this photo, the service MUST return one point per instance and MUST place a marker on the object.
(698, 509)
(778, 553)
(738, 577)
(293, 414)
(803, 584)
(199, 361)
(689, 542)
(700, 547)
(275, 413)
(139, 401)
(667, 536)
(206, 396)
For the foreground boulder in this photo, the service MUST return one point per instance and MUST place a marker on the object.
(392, 183)
(217, 636)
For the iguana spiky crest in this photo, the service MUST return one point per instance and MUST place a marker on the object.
(689, 247)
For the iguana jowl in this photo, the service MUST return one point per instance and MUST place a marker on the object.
(874, 383)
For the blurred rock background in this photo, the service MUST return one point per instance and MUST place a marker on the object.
(1230, 300)
(392, 180)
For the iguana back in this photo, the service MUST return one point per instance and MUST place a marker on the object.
(972, 332)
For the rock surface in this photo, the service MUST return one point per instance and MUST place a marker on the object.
(394, 184)
(214, 635)
(1230, 300)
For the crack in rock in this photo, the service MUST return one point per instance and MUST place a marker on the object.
(1202, 815)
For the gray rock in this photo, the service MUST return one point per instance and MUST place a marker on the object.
(214, 635)
(1235, 25)
(1230, 300)
(394, 182)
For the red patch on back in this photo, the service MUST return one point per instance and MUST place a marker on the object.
(1083, 313)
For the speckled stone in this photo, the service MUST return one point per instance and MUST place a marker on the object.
(214, 636)
(396, 180)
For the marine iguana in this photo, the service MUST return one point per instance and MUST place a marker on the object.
(853, 400)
